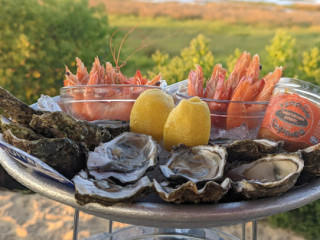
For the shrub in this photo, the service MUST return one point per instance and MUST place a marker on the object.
(311, 65)
(282, 52)
(304, 221)
(178, 67)
(39, 37)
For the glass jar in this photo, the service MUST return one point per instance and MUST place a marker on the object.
(293, 114)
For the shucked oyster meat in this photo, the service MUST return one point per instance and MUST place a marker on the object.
(126, 157)
(268, 176)
(198, 164)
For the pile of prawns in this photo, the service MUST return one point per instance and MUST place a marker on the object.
(242, 85)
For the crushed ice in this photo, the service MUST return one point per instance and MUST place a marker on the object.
(46, 103)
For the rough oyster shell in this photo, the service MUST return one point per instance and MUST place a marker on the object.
(18, 130)
(197, 164)
(61, 125)
(267, 176)
(62, 154)
(189, 192)
(106, 192)
(17, 110)
(311, 157)
(126, 157)
(245, 151)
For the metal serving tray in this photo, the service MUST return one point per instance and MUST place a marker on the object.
(151, 212)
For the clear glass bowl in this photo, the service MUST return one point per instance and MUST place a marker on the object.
(101, 102)
(231, 120)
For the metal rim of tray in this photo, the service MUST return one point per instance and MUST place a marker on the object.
(167, 215)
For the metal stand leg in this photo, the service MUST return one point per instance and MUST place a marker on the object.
(75, 224)
(254, 230)
(244, 231)
(110, 226)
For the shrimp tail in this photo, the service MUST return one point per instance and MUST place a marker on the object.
(195, 82)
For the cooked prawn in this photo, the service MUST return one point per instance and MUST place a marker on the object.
(243, 84)
(271, 80)
(195, 81)
(96, 108)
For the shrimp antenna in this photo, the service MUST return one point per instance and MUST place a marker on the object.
(111, 49)
(123, 39)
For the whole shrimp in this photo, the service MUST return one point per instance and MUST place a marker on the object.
(100, 101)
(242, 85)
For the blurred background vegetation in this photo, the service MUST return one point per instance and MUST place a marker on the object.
(38, 38)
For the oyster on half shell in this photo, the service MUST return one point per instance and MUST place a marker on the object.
(106, 192)
(311, 157)
(245, 151)
(197, 164)
(190, 192)
(126, 157)
(267, 176)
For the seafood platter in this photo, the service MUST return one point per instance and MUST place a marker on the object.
(84, 141)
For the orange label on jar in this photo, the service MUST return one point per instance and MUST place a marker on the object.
(293, 118)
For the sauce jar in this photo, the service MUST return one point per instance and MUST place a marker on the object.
(293, 114)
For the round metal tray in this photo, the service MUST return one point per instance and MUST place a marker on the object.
(147, 212)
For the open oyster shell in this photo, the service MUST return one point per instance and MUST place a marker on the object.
(197, 164)
(311, 157)
(245, 151)
(106, 192)
(126, 157)
(267, 176)
(189, 192)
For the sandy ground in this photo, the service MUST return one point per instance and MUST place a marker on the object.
(32, 216)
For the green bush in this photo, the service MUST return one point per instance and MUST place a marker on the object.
(39, 37)
(311, 65)
(304, 221)
(282, 52)
(178, 67)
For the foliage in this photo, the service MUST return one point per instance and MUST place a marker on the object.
(311, 65)
(178, 67)
(304, 220)
(282, 52)
(39, 37)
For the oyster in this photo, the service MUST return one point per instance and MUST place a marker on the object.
(197, 164)
(115, 127)
(18, 130)
(267, 176)
(311, 157)
(62, 154)
(126, 157)
(106, 192)
(245, 151)
(17, 110)
(189, 191)
(61, 125)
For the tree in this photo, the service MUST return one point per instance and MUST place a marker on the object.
(39, 37)
(178, 67)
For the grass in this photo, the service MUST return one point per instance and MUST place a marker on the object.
(172, 35)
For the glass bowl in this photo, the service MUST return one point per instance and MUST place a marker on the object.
(101, 102)
(230, 120)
